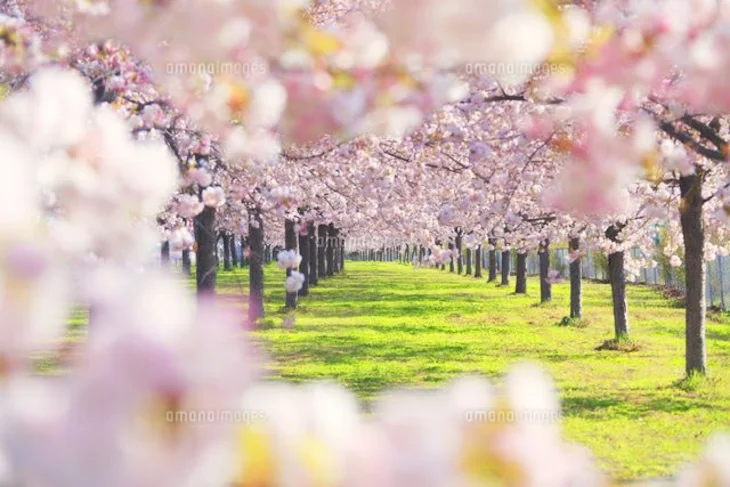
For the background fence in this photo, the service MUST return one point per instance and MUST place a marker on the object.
(593, 266)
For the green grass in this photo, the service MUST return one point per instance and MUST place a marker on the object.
(384, 325)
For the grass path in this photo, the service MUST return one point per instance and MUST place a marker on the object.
(382, 325)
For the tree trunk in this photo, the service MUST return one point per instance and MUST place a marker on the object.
(165, 255)
(216, 253)
(693, 231)
(576, 283)
(546, 288)
(330, 250)
(256, 270)
(478, 262)
(342, 254)
(468, 261)
(304, 264)
(205, 255)
(336, 252)
(290, 242)
(459, 260)
(521, 275)
(451, 261)
(321, 250)
(226, 252)
(313, 265)
(234, 252)
(492, 262)
(505, 267)
(617, 278)
(186, 265)
(244, 244)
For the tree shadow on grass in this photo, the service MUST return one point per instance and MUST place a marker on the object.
(636, 408)
(578, 406)
(334, 353)
(718, 334)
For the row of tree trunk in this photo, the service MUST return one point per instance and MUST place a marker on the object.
(321, 247)
(323, 255)
(460, 265)
(409, 253)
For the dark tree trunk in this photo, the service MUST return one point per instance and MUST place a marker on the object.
(505, 267)
(478, 262)
(521, 274)
(576, 283)
(330, 250)
(205, 256)
(226, 252)
(336, 252)
(693, 231)
(459, 261)
(217, 254)
(617, 278)
(267, 253)
(492, 262)
(186, 265)
(256, 271)
(290, 242)
(468, 262)
(244, 244)
(165, 255)
(451, 261)
(546, 288)
(234, 252)
(313, 267)
(322, 240)
(304, 264)
(342, 254)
